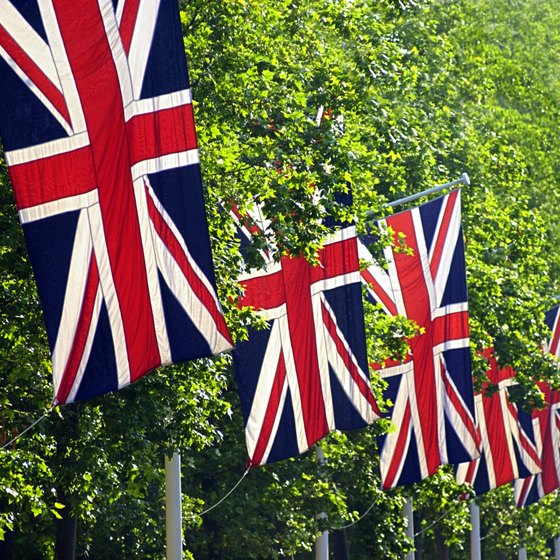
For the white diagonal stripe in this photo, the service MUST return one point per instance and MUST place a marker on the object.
(29, 41)
(152, 276)
(450, 242)
(110, 294)
(64, 71)
(188, 300)
(322, 348)
(73, 298)
(342, 373)
(40, 95)
(117, 50)
(194, 265)
(88, 346)
(263, 391)
(293, 384)
(390, 445)
(140, 46)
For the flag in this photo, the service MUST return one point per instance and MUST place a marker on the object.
(431, 390)
(97, 126)
(508, 448)
(547, 430)
(307, 374)
(552, 320)
(547, 434)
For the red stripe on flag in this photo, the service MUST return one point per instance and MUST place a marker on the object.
(381, 294)
(340, 257)
(442, 232)
(525, 442)
(244, 220)
(126, 29)
(555, 340)
(264, 292)
(300, 318)
(418, 308)
(34, 73)
(362, 385)
(460, 408)
(400, 450)
(271, 412)
(53, 178)
(90, 57)
(197, 286)
(81, 334)
(168, 131)
(471, 470)
(525, 487)
(450, 327)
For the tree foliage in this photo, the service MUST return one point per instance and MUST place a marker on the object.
(296, 102)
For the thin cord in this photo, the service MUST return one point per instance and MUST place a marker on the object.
(444, 514)
(49, 410)
(494, 531)
(359, 518)
(226, 496)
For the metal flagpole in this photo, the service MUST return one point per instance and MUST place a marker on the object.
(409, 516)
(475, 531)
(322, 542)
(522, 554)
(173, 521)
(463, 179)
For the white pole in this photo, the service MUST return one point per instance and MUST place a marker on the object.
(522, 554)
(475, 531)
(322, 542)
(322, 546)
(463, 179)
(173, 521)
(409, 516)
(557, 548)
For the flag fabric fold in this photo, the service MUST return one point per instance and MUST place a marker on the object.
(508, 447)
(431, 391)
(307, 374)
(97, 126)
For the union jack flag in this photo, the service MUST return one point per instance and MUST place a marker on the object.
(547, 431)
(431, 390)
(307, 374)
(97, 123)
(508, 448)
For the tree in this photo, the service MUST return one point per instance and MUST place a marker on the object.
(411, 94)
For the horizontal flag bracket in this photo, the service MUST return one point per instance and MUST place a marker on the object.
(464, 179)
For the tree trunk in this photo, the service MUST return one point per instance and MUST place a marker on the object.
(419, 538)
(66, 527)
(6, 546)
(340, 544)
(66, 530)
(442, 548)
